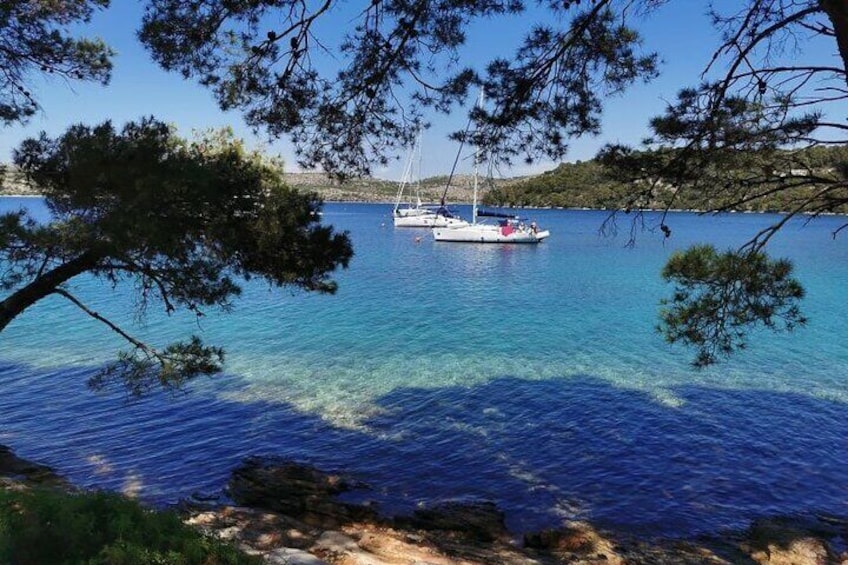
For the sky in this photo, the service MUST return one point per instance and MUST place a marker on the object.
(680, 32)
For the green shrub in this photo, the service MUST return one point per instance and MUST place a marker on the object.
(47, 526)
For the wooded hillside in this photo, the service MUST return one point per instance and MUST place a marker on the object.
(592, 184)
(583, 184)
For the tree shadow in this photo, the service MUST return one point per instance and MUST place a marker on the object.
(544, 451)
(579, 447)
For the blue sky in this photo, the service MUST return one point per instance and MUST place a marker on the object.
(679, 32)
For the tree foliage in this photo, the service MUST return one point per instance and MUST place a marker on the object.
(181, 222)
(400, 58)
(397, 60)
(719, 297)
(34, 38)
(44, 525)
(746, 134)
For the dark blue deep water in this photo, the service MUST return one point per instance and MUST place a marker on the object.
(529, 376)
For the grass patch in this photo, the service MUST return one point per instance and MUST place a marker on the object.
(48, 526)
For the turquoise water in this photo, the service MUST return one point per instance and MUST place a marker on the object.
(530, 376)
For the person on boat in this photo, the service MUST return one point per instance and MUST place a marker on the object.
(533, 227)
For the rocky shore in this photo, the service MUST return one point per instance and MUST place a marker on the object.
(290, 513)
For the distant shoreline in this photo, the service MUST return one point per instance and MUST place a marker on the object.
(571, 208)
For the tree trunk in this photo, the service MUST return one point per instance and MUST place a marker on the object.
(837, 11)
(43, 286)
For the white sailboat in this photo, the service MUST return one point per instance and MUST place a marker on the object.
(419, 215)
(508, 229)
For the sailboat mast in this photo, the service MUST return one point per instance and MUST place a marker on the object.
(418, 173)
(476, 166)
(474, 208)
(406, 178)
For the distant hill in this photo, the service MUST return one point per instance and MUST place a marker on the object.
(584, 184)
(377, 190)
(590, 184)
(12, 182)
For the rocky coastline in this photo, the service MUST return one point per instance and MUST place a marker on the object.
(290, 513)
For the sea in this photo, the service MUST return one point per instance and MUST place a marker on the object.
(529, 376)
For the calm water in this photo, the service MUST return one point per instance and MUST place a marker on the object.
(530, 376)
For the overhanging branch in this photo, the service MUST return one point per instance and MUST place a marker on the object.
(111, 325)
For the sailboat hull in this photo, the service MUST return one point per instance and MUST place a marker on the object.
(427, 219)
(488, 233)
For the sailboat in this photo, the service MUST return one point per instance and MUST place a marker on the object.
(509, 228)
(419, 215)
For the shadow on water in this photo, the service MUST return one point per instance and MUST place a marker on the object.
(578, 447)
(545, 451)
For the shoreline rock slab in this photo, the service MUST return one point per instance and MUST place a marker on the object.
(296, 490)
(474, 532)
(324, 531)
(479, 520)
(16, 469)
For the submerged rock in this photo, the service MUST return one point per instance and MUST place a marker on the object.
(26, 472)
(296, 490)
(797, 540)
(481, 521)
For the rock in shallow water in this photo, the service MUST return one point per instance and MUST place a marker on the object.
(296, 490)
(15, 468)
(482, 520)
